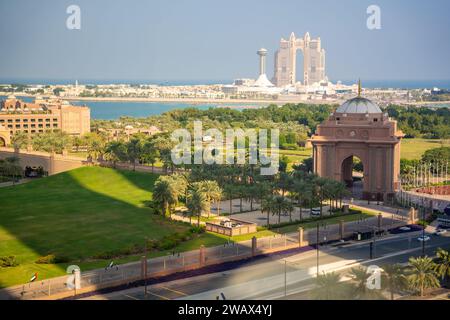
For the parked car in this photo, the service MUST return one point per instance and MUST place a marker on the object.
(423, 238)
(315, 212)
(440, 232)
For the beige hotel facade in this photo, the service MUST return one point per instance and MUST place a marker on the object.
(40, 116)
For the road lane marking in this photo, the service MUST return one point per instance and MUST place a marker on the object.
(157, 295)
(175, 291)
(131, 297)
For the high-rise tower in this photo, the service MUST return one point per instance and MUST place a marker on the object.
(286, 61)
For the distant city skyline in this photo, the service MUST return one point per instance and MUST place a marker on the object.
(175, 40)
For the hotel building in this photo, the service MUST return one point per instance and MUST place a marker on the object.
(40, 116)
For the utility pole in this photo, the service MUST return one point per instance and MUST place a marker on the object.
(317, 246)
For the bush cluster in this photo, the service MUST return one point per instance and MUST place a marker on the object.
(166, 243)
(52, 258)
(8, 261)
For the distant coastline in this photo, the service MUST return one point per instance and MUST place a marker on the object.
(288, 99)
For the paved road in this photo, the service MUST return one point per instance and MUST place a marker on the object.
(265, 279)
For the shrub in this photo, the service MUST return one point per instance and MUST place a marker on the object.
(8, 261)
(198, 230)
(51, 258)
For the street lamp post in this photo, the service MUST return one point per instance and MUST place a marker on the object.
(423, 231)
(285, 278)
(145, 268)
(317, 246)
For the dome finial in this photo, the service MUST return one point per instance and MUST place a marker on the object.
(359, 87)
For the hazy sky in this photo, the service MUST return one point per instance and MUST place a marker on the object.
(218, 40)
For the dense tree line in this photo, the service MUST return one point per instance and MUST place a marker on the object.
(422, 122)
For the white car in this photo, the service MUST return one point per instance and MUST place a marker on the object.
(315, 212)
(424, 238)
(405, 229)
(440, 232)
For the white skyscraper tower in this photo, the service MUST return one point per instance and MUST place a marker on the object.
(262, 79)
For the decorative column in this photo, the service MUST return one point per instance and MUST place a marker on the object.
(300, 237)
(254, 246)
(202, 255)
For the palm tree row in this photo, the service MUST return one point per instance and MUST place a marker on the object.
(198, 196)
(422, 273)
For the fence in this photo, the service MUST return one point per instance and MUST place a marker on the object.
(125, 274)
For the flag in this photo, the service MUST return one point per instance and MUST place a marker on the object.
(34, 277)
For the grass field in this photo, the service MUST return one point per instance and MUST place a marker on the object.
(412, 149)
(79, 214)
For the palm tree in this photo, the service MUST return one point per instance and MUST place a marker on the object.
(393, 279)
(165, 194)
(282, 205)
(115, 151)
(230, 192)
(134, 150)
(149, 153)
(211, 190)
(20, 140)
(321, 185)
(422, 274)
(197, 203)
(329, 287)
(268, 206)
(361, 291)
(299, 189)
(442, 267)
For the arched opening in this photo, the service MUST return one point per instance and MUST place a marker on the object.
(353, 175)
(2, 142)
(299, 75)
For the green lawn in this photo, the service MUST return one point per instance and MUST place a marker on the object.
(412, 149)
(79, 214)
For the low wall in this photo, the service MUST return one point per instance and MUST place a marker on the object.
(434, 190)
(52, 163)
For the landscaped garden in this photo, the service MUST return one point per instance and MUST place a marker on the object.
(87, 216)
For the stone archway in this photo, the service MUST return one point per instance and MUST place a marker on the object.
(357, 183)
(2, 142)
(364, 132)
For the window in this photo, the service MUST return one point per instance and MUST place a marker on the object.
(40, 120)
(33, 126)
(33, 120)
(17, 126)
(25, 120)
(9, 120)
(41, 131)
(375, 120)
(2, 120)
(55, 125)
(47, 120)
(17, 120)
(41, 126)
(47, 126)
(10, 126)
(55, 119)
(25, 126)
